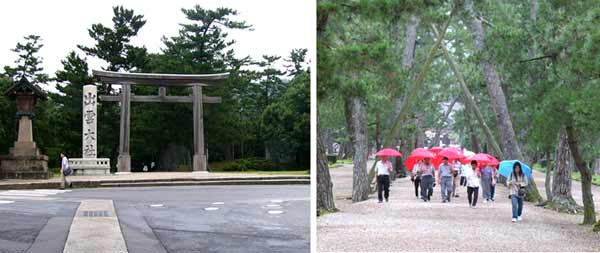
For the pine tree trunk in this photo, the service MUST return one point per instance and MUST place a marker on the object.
(412, 92)
(492, 78)
(548, 182)
(377, 131)
(356, 118)
(589, 213)
(442, 124)
(561, 198)
(325, 200)
(420, 133)
(470, 103)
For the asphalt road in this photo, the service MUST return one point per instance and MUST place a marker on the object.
(168, 219)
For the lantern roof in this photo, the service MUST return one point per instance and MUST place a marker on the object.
(24, 86)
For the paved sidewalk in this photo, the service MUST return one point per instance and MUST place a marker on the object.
(158, 179)
(402, 223)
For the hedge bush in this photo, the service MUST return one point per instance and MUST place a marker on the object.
(249, 164)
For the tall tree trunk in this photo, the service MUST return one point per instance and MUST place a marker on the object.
(442, 124)
(356, 118)
(472, 135)
(408, 56)
(492, 79)
(395, 130)
(470, 102)
(420, 133)
(377, 131)
(511, 148)
(548, 182)
(561, 198)
(325, 200)
(589, 213)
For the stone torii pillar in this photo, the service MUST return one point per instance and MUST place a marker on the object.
(197, 99)
(199, 159)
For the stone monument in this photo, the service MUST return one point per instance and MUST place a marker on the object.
(24, 160)
(90, 164)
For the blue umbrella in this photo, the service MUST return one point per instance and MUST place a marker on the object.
(506, 167)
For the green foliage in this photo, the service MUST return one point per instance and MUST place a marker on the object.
(250, 164)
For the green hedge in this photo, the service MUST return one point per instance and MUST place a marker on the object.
(250, 164)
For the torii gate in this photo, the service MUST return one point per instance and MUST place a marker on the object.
(162, 80)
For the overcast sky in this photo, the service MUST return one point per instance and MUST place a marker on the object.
(279, 25)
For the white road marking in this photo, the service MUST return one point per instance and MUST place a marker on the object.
(276, 201)
(6, 202)
(211, 208)
(218, 203)
(157, 205)
(272, 206)
(275, 212)
(95, 234)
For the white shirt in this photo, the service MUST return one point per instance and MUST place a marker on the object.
(473, 180)
(65, 163)
(383, 168)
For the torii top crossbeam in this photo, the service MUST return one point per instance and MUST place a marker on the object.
(156, 79)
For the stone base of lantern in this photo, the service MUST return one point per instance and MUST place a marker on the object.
(24, 162)
(24, 167)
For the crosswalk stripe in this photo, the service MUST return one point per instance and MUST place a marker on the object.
(6, 202)
(94, 233)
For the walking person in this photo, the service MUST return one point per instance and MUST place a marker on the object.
(486, 182)
(473, 183)
(463, 175)
(427, 173)
(456, 176)
(494, 181)
(445, 179)
(415, 178)
(383, 167)
(516, 183)
(64, 171)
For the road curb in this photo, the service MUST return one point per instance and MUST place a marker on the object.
(164, 182)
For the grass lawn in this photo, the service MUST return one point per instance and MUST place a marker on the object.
(575, 175)
(339, 163)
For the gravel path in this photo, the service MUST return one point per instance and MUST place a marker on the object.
(402, 223)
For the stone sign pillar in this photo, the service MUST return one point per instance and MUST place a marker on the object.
(90, 164)
(89, 141)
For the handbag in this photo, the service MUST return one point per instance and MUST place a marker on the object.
(522, 191)
(67, 171)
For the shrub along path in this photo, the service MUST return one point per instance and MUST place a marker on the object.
(408, 224)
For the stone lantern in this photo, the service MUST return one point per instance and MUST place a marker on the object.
(24, 160)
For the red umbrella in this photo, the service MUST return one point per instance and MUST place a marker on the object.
(421, 153)
(436, 150)
(451, 153)
(480, 158)
(410, 163)
(493, 160)
(388, 152)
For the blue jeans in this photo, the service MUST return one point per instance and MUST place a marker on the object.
(517, 205)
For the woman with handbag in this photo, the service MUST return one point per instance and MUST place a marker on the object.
(516, 183)
(64, 171)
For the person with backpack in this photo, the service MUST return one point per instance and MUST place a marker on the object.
(64, 171)
(427, 173)
(473, 183)
(516, 183)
